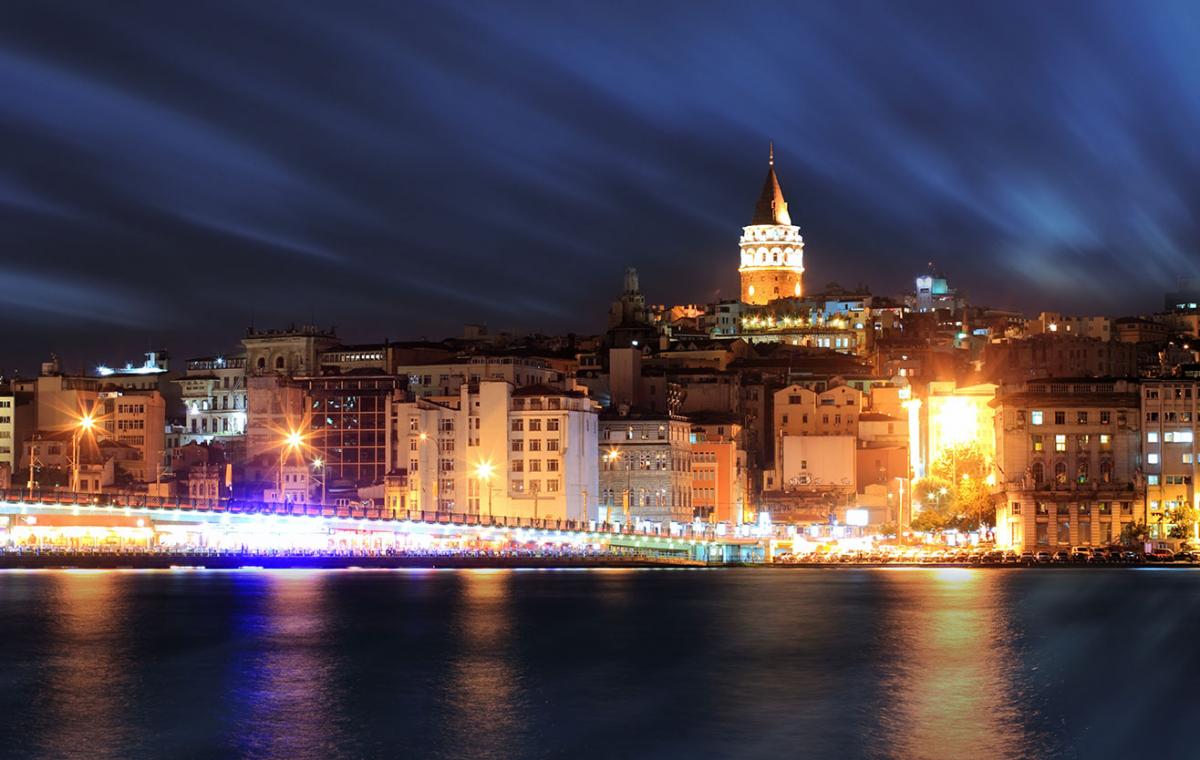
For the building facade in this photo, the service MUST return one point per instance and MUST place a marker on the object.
(213, 391)
(528, 452)
(1171, 422)
(1067, 462)
(646, 467)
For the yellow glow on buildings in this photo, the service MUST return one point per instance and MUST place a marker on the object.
(958, 416)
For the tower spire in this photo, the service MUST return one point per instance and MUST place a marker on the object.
(771, 207)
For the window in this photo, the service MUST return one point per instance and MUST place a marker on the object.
(1127, 507)
(1152, 458)
(1152, 437)
(1081, 418)
(1060, 418)
(518, 445)
(535, 465)
(1186, 458)
(1105, 418)
(1060, 442)
(552, 424)
(1038, 473)
(1105, 442)
(1016, 507)
(551, 465)
(1151, 416)
(518, 465)
(517, 486)
(1036, 417)
(1152, 480)
(535, 426)
(1060, 473)
(1179, 436)
(552, 485)
(1064, 532)
(551, 444)
(534, 445)
(1105, 507)
(518, 426)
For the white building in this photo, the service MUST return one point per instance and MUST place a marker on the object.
(530, 452)
(213, 391)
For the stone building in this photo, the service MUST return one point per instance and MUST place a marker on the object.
(646, 466)
(1067, 462)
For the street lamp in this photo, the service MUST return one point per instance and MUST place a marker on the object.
(614, 456)
(86, 423)
(292, 441)
(484, 472)
(319, 466)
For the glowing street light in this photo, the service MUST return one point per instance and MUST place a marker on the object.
(86, 423)
(293, 440)
(484, 472)
(614, 456)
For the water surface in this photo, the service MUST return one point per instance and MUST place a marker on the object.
(847, 663)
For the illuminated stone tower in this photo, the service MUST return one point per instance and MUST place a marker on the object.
(772, 249)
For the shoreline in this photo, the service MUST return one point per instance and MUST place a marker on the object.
(183, 562)
(52, 561)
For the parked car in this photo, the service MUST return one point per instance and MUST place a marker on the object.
(1062, 555)
(1028, 558)
(1081, 554)
(1043, 557)
(1161, 555)
(1099, 555)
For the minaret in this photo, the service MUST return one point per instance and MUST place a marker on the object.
(772, 249)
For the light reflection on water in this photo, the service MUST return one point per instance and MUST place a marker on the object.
(847, 663)
(946, 667)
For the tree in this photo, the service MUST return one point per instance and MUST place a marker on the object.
(957, 490)
(1182, 520)
(1134, 533)
(928, 521)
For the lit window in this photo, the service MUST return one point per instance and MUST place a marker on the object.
(1152, 458)
(1035, 417)
(1060, 442)
(1151, 437)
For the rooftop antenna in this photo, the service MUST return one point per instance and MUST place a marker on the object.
(771, 155)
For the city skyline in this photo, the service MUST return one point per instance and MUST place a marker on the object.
(194, 202)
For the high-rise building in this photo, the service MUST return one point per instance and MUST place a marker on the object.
(772, 263)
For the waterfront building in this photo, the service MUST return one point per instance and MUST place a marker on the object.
(213, 392)
(646, 467)
(772, 250)
(351, 424)
(1068, 468)
(1170, 426)
(718, 469)
(136, 419)
(514, 452)
(16, 424)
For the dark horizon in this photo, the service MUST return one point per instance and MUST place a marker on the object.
(174, 175)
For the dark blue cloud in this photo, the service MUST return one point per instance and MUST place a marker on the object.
(400, 168)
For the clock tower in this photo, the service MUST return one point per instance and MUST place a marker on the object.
(772, 249)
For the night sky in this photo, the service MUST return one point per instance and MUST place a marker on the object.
(173, 171)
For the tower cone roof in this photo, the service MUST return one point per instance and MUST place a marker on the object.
(771, 207)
